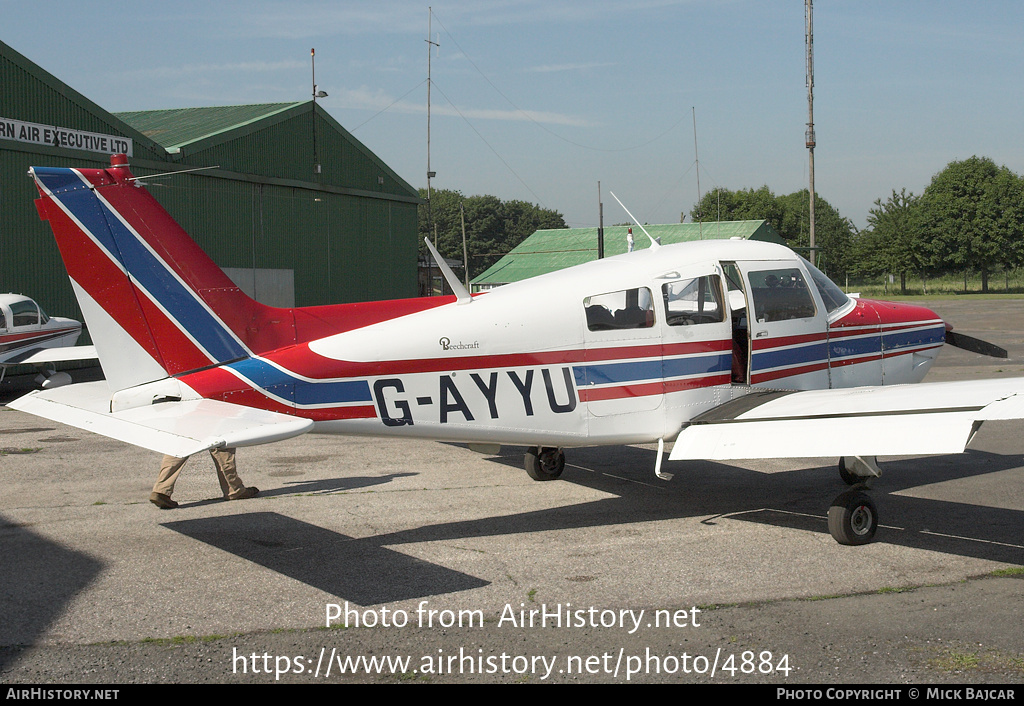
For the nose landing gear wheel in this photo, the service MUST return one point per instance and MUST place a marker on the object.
(853, 518)
(544, 463)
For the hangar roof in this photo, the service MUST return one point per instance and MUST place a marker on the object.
(555, 249)
(265, 138)
(180, 126)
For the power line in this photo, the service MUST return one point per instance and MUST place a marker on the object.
(543, 127)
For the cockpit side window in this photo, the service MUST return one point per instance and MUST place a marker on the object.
(693, 301)
(24, 313)
(733, 276)
(780, 295)
(626, 309)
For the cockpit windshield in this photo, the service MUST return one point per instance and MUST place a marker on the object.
(833, 297)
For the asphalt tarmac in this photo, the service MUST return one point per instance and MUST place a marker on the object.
(450, 566)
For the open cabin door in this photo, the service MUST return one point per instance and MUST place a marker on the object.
(696, 340)
(787, 328)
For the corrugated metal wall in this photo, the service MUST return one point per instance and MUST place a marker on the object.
(264, 208)
(342, 248)
(30, 263)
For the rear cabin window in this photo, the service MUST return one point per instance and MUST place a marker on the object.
(781, 295)
(627, 309)
(693, 301)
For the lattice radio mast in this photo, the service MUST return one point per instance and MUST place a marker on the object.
(809, 18)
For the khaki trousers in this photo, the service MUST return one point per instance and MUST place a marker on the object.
(223, 459)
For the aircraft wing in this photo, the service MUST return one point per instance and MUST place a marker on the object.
(54, 355)
(178, 428)
(899, 420)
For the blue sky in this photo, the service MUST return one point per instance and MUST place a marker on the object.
(540, 100)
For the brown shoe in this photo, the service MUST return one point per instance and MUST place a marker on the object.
(245, 493)
(162, 501)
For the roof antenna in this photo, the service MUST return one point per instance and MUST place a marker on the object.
(654, 243)
(462, 295)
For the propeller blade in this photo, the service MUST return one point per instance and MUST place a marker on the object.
(975, 345)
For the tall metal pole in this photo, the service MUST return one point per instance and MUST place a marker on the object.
(696, 160)
(600, 224)
(809, 17)
(430, 44)
(316, 156)
(431, 227)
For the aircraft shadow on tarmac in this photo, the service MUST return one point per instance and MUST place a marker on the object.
(799, 499)
(362, 571)
(369, 571)
(39, 578)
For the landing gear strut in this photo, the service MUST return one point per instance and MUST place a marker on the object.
(856, 470)
(544, 463)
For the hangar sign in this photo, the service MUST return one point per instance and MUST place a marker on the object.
(36, 134)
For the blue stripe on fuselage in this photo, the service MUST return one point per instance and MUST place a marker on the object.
(294, 390)
(635, 371)
(906, 339)
(850, 347)
(798, 355)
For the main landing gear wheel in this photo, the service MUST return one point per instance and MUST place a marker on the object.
(544, 463)
(853, 518)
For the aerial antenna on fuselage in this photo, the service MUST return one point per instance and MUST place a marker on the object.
(462, 295)
(164, 174)
(654, 243)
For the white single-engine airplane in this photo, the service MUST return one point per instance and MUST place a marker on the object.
(29, 337)
(732, 349)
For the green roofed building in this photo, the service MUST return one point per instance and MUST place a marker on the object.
(294, 208)
(316, 205)
(550, 250)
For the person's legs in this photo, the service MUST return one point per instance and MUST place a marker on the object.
(230, 484)
(170, 468)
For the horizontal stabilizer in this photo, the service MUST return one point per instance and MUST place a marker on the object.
(178, 428)
(902, 420)
(55, 355)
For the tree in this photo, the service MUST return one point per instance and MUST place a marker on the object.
(790, 216)
(973, 216)
(833, 233)
(493, 227)
(895, 240)
(744, 205)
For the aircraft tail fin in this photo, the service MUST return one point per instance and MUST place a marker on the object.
(154, 302)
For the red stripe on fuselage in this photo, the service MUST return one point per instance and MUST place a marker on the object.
(219, 383)
(588, 394)
(787, 372)
(303, 361)
(42, 333)
(782, 341)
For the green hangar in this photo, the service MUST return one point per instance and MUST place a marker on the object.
(295, 209)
